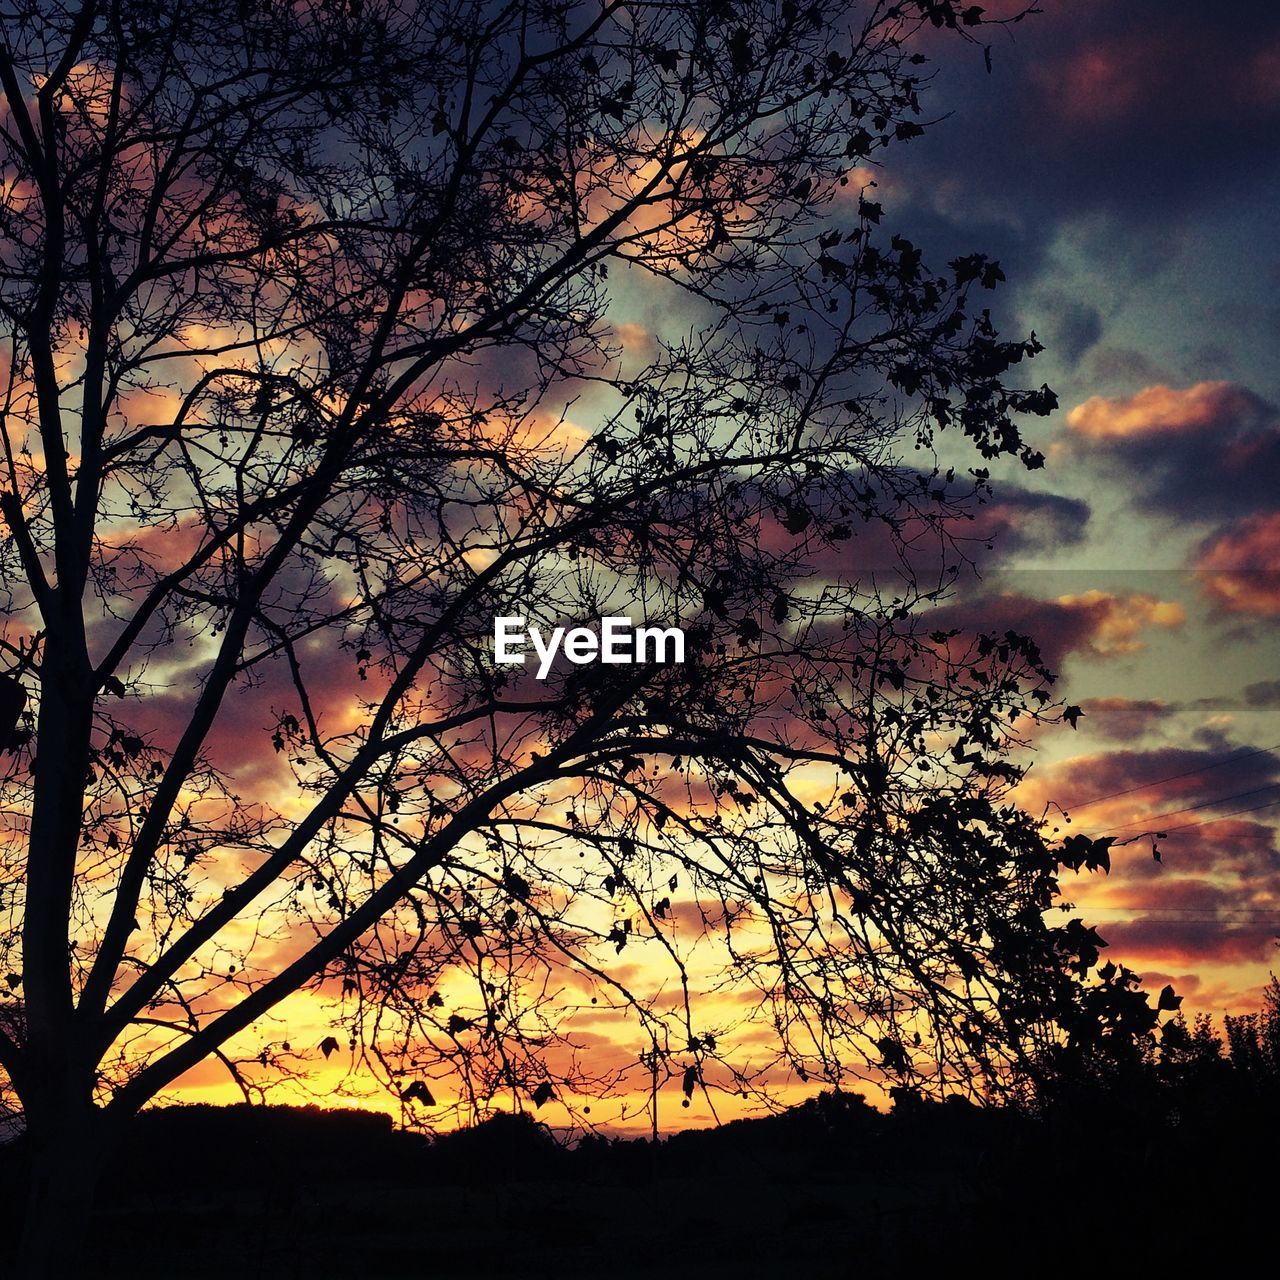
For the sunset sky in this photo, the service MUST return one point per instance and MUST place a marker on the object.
(1122, 162)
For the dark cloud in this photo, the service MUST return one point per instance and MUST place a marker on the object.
(1209, 916)
(1022, 520)
(1265, 693)
(1196, 453)
(1204, 453)
(1095, 623)
(1072, 327)
(1239, 852)
(1125, 719)
(1156, 781)
(1187, 939)
(1213, 360)
(1152, 109)
(1132, 124)
(239, 743)
(1123, 367)
(1239, 566)
(987, 531)
(947, 234)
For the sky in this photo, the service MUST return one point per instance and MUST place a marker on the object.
(1122, 163)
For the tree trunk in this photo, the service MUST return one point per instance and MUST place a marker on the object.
(65, 1160)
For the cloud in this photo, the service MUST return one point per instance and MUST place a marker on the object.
(1117, 137)
(1093, 623)
(1202, 453)
(1239, 852)
(1120, 620)
(1112, 789)
(1022, 520)
(638, 345)
(1013, 521)
(1265, 693)
(239, 741)
(1239, 565)
(1152, 109)
(1209, 451)
(1211, 901)
(1197, 919)
(1190, 939)
(1117, 365)
(1072, 327)
(1161, 413)
(1213, 898)
(1125, 719)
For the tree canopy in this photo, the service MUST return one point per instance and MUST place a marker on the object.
(321, 353)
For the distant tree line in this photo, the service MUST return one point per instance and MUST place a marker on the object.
(1244, 1059)
(1180, 1072)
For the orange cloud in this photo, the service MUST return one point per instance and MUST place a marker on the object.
(1253, 543)
(638, 345)
(1160, 409)
(1119, 620)
(1093, 624)
(1239, 566)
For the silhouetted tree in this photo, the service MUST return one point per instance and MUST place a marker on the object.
(1253, 1043)
(1245, 1058)
(296, 299)
(1193, 1049)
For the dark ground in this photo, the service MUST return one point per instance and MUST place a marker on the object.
(833, 1189)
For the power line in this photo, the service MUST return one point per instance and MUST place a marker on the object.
(1235, 813)
(1191, 808)
(1237, 915)
(1268, 834)
(1206, 921)
(1173, 777)
(1217, 922)
(1156, 906)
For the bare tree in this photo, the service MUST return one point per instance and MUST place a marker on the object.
(299, 304)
